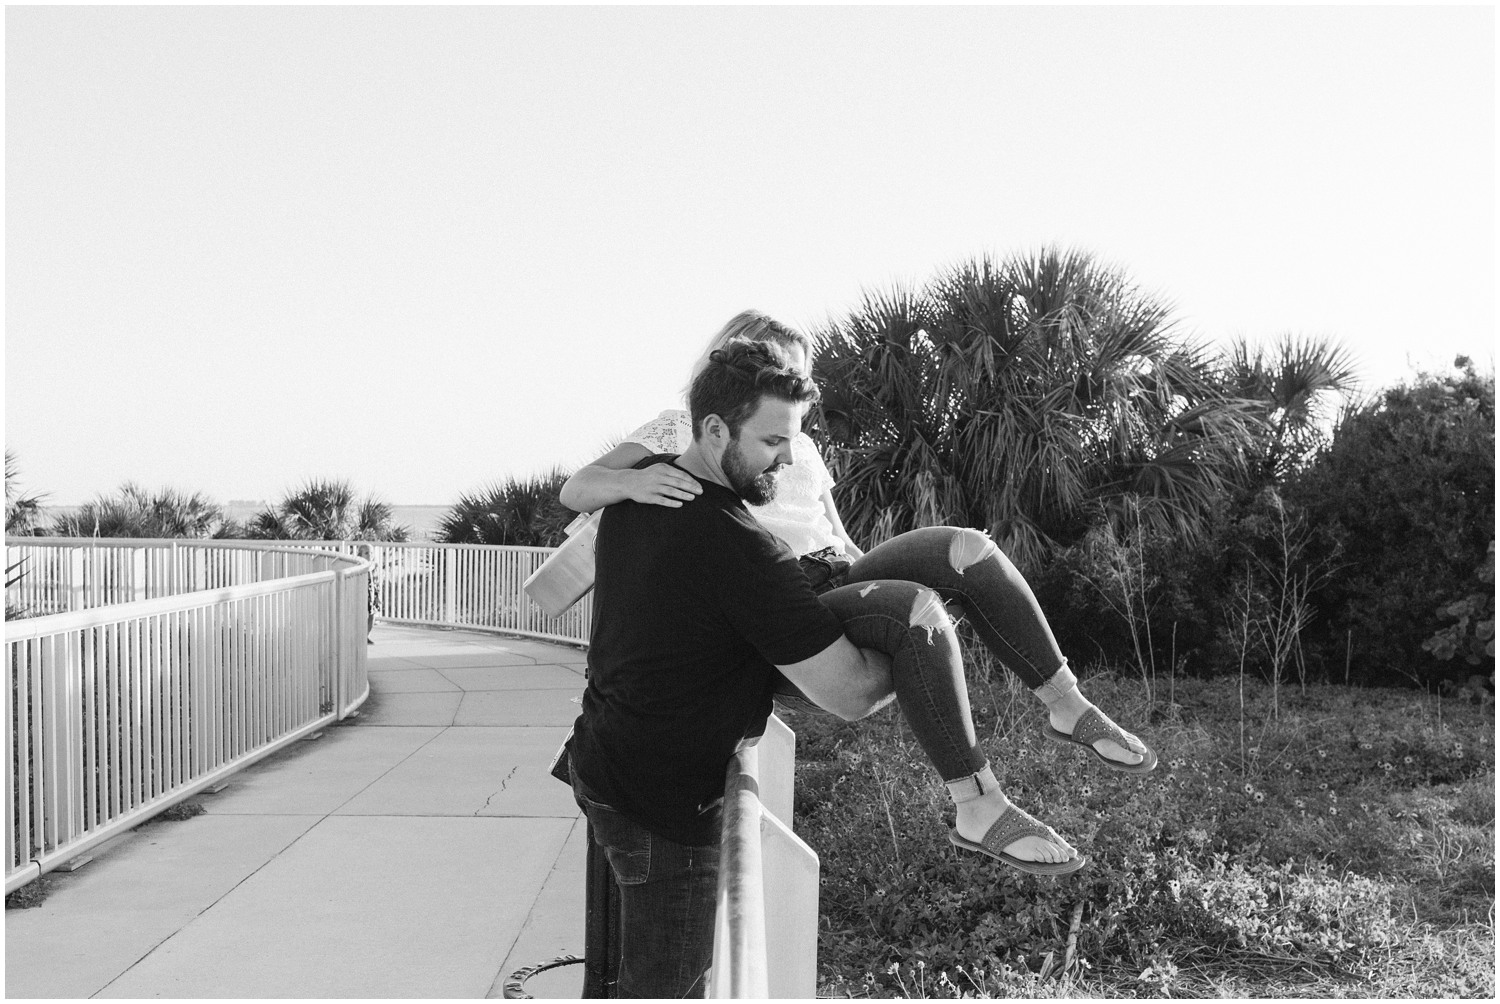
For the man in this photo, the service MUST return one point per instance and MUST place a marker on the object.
(695, 609)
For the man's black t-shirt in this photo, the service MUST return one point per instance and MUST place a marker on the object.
(693, 608)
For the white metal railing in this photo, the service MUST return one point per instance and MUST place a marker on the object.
(156, 669)
(466, 585)
(766, 924)
(180, 662)
(64, 574)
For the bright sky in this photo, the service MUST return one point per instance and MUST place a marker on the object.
(423, 248)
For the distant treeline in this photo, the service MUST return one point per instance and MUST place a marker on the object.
(1178, 508)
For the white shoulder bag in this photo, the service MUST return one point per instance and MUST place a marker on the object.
(568, 573)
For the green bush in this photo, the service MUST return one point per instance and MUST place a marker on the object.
(135, 512)
(523, 512)
(1406, 493)
(326, 509)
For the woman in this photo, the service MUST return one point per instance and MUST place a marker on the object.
(962, 565)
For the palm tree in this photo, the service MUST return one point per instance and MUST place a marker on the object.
(135, 512)
(1297, 385)
(522, 512)
(1032, 397)
(326, 510)
(23, 513)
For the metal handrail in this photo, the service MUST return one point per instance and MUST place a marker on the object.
(167, 666)
(768, 880)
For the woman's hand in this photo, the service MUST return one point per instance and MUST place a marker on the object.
(660, 484)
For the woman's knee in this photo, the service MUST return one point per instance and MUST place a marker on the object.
(969, 547)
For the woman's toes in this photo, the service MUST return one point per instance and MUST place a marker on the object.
(1114, 751)
(1037, 849)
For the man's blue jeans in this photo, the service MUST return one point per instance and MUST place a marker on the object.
(667, 899)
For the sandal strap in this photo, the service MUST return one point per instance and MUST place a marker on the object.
(1013, 824)
(1093, 725)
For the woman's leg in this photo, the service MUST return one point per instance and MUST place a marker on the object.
(908, 622)
(963, 564)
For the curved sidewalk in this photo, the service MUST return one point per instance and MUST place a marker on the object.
(418, 850)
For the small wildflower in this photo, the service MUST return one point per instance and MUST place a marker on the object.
(1085, 791)
(1323, 786)
(1333, 810)
(1260, 796)
(1255, 751)
(1407, 760)
(891, 969)
(1299, 803)
(1366, 746)
(1249, 788)
(1387, 767)
(1323, 754)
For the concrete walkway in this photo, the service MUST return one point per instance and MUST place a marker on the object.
(420, 850)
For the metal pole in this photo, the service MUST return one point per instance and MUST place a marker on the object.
(601, 926)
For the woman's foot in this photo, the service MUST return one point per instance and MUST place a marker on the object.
(977, 816)
(1112, 743)
(992, 825)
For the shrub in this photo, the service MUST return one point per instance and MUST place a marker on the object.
(521, 512)
(1406, 492)
(135, 512)
(23, 510)
(326, 509)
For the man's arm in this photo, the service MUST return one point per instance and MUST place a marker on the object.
(850, 682)
(612, 478)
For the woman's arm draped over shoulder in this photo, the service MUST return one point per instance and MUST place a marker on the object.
(612, 478)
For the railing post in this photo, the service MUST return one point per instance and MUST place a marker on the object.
(75, 598)
(450, 585)
(138, 573)
(340, 619)
(601, 925)
(766, 924)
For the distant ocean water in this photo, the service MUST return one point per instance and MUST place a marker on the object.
(421, 520)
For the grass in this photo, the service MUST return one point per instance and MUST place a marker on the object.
(1348, 851)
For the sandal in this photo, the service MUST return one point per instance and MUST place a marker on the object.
(1013, 824)
(1094, 725)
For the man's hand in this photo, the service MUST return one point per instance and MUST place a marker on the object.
(660, 484)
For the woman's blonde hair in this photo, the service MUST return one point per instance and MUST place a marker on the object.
(750, 325)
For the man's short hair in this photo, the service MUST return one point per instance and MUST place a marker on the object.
(737, 376)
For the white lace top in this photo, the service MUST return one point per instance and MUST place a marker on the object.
(796, 515)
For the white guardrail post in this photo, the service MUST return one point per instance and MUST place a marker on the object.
(766, 925)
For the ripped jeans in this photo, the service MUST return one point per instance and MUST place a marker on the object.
(893, 602)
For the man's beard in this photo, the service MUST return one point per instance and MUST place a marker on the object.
(755, 487)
